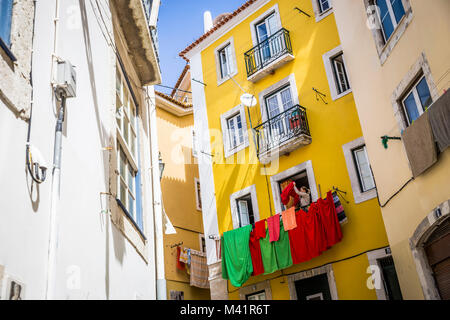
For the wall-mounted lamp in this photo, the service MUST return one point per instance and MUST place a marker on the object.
(161, 166)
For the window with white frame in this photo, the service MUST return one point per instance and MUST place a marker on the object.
(245, 211)
(390, 12)
(225, 61)
(340, 73)
(198, 198)
(234, 130)
(244, 207)
(322, 8)
(336, 71)
(261, 295)
(324, 5)
(359, 171)
(6, 8)
(366, 181)
(128, 180)
(416, 100)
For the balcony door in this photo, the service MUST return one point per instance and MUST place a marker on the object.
(276, 104)
(267, 47)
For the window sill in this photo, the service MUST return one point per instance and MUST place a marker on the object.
(7, 51)
(340, 95)
(221, 81)
(230, 152)
(131, 219)
(324, 14)
(386, 49)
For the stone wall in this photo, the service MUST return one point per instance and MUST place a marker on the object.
(15, 85)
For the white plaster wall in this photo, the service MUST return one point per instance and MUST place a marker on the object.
(88, 242)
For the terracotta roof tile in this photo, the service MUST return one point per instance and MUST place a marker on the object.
(175, 101)
(215, 28)
(183, 73)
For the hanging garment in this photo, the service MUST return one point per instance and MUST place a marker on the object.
(329, 219)
(289, 192)
(297, 240)
(419, 145)
(236, 258)
(184, 255)
(439, 116)
(283, 249)
(180, 265)
(199, 270)
(260, 229)
(342, 217)
(288, 217)
(315, 231)
(255, 251)
(268, 254)
(273, 225)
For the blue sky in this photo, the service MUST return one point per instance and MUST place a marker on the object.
(181, 23)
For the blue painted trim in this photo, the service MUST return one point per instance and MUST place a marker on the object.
(130, 217)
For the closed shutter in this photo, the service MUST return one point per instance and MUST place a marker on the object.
(437, 249)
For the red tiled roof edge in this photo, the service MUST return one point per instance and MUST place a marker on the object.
(215, 27)
(169, 98)
(183, 73)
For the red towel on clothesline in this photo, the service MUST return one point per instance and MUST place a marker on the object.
(255, 252)
(260, 229)
(289, 192)
(180, 265)
(273, 224)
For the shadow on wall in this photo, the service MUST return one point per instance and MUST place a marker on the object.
(106, 141)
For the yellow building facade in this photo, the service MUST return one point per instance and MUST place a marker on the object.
(304, 127)
(179, 186)
(389, 64)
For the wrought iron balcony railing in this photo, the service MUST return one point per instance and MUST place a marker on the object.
(268, 51)
(280, 129)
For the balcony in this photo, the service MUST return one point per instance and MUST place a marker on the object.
(282, 134)
(136, 19)
(268, 55)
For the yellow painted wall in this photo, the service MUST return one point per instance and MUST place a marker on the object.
(331, 126)
(178, 191)
(373, 86)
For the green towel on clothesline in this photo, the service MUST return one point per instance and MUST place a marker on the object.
(268, 254)
(236, 258)
(283, 249)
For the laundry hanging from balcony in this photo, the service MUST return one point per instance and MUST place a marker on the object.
(315, 232)
(195, 265)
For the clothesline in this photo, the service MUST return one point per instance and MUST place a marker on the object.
(290, 238)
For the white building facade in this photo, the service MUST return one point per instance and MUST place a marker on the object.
(92, 227)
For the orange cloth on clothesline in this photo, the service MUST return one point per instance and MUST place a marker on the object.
(289, 221)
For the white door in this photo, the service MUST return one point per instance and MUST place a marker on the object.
(276, 104)
(264, 30)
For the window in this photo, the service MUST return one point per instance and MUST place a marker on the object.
(202, 243)
(244, 207)
(390, 13)
(198, 198)
(256, 296)
(340, 74)
(225, 61)
(128, 180)
(336, 71)
(245, 210)
(313, 288)
(417, 100)
(301, 180)
(6, 7)
(358, 167)
(363, 167)
(324, 5)
(234, 130)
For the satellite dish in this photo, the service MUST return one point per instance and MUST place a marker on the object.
(248, 100)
